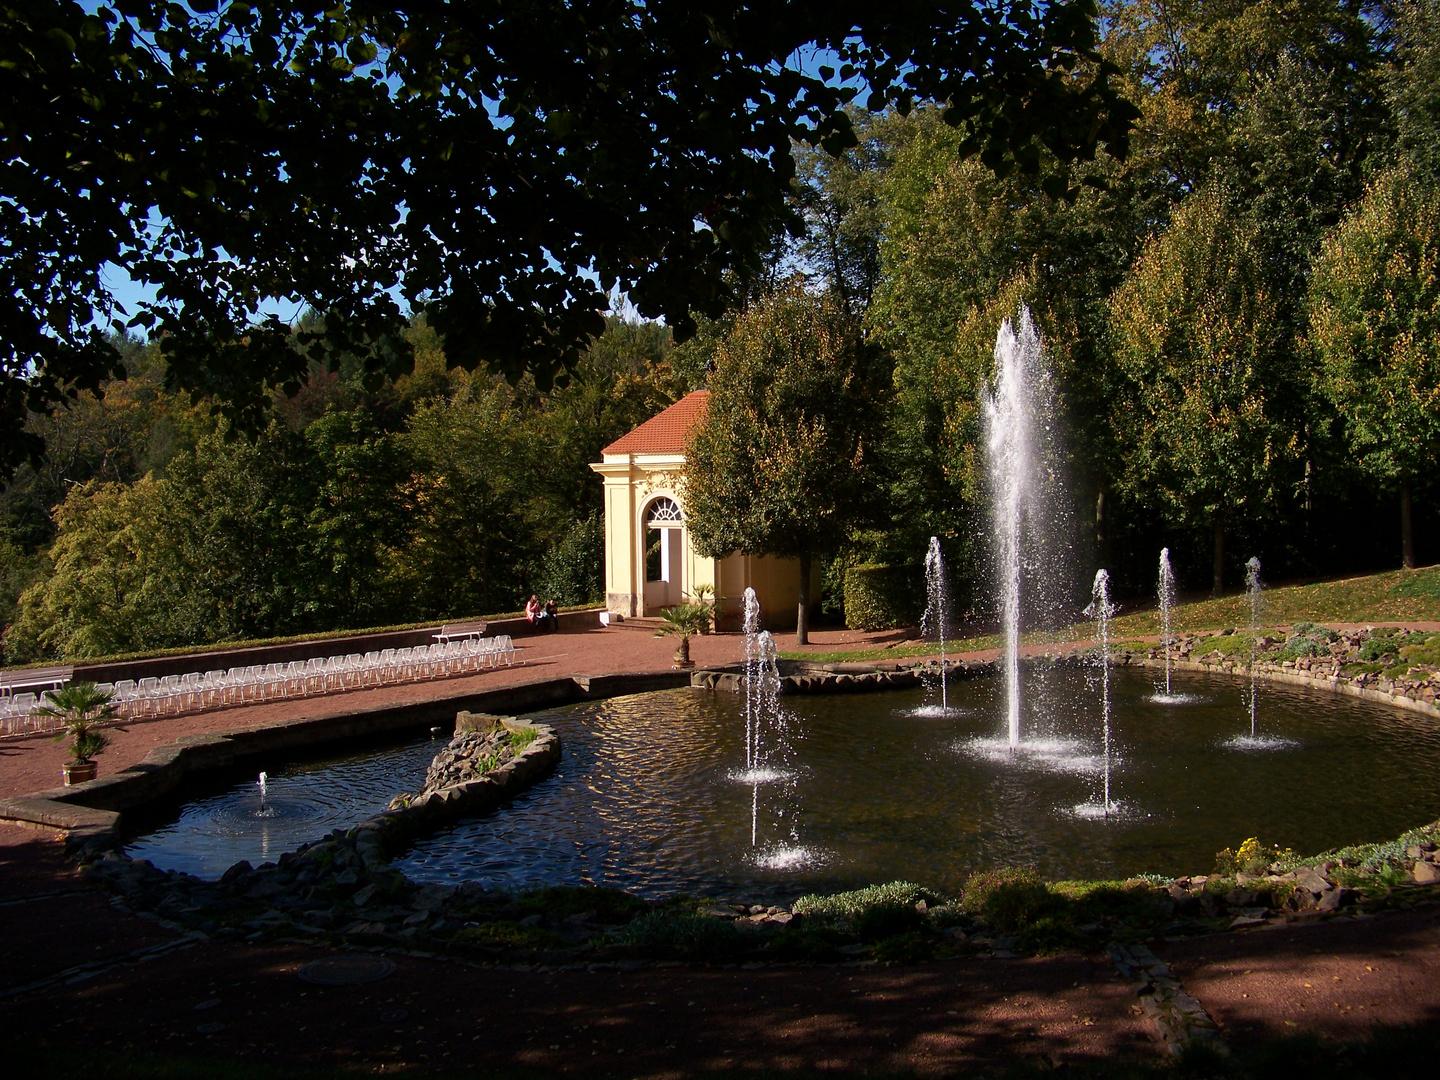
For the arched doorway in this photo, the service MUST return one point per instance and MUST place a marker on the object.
(664, 545)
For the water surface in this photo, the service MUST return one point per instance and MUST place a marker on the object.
(652, 794)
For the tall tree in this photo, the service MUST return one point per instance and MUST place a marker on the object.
(1415, 84)
(781, 463)
(1195, 340)
(1375, 326)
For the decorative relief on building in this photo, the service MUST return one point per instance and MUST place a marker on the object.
(661, 479)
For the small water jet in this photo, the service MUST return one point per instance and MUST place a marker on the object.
(1167, 598)
(763, 716)
(937, 612)
(751, 629)
(1252, 583)
(264, 790)
(1101, 609)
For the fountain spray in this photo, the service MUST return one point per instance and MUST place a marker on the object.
(936, 612)
(767, 701)
(1010, 410)
(751, 627)
(1100, 610)
(1167, 598)
(263, 790)
(1252, 583)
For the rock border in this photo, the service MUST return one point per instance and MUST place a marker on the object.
(91, 814)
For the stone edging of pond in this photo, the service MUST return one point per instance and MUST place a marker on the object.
(91, 813)
(860, 677)
(1400, 696)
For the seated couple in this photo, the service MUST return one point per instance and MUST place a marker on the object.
(542, 618)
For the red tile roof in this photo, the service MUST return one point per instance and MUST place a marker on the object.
(665, 432)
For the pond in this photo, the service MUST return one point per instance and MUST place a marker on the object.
(652, 794)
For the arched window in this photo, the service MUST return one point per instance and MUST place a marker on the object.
(664, 511)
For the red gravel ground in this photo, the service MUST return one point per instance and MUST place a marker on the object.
(927, 1019)
(1334, 980)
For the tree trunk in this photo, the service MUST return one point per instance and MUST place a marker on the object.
(1219, 585)
(802, 616)
(1407, 527)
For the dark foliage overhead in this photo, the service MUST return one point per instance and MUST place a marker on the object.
(495, 165)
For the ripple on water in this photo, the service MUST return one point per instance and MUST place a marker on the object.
(760, 776)
(1118, 810)
(935, 712)
(1175, 699)
(788, 857)
(1260, 743)
(1051, 755)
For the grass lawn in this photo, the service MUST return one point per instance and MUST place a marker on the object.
(1391, 596)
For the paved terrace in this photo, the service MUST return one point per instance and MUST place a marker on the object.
(112, 980)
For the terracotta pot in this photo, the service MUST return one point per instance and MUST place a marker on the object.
(78, 772)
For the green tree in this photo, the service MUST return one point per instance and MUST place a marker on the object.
(1375, 327)
(1414, 86)
(357, 522)
(498, 166)
(472, 539)
(1201, 416)
(781, 463)
(233, 561)
(94, 601)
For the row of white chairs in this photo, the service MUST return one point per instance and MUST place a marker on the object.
(171, 695)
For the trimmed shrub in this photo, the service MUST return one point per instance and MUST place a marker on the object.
(503, 934)
(1009, 899)
(560, 901)
(850, 907)
(686, 936)
(879, 596)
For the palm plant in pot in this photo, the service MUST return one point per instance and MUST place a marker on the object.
(682, 620)
(80, 707)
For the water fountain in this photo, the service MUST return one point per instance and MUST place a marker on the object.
(1024, 492)
(1101, 609)
(763, 716)
(1252, 584)
(1167, 598)
(753, 680)
(937, 613)
(264, 790)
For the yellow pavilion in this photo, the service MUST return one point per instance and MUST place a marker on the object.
(649, 562)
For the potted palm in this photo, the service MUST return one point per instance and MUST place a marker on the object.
(682, 620)
(80, 707)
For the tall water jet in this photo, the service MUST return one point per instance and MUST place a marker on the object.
(937, 612)
(1011, 407)
(751, 628)
(1252, 584)
(1167, 598)
(264, 790)
(1101, 609)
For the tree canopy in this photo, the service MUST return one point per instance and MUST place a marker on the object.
(783, 462)
(1375, 326)
(495, 166)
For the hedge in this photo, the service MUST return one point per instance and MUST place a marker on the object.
(879, 596)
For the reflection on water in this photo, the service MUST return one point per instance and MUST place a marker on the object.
(299, 803)
(647, 802)
(646, 797)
